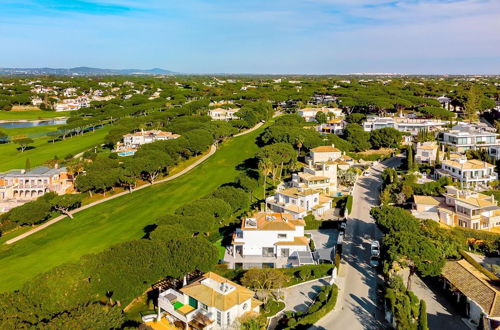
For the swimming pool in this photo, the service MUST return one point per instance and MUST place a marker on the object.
(126, 153)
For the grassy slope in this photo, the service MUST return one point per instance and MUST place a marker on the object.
(30, 115)
(44, 150)
(120, 219)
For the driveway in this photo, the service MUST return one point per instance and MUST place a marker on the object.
(300, 297)
(441, 313)
(324, 238)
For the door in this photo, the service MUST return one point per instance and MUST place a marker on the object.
(193, 302)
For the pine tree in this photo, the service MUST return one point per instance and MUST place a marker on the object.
(409, 157)
(438, 155)
(27, 165)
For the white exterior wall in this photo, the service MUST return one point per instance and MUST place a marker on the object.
(324, 156)
(255, 240)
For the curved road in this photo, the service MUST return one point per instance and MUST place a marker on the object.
(357, 306)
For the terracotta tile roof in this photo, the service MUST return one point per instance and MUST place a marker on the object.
(471, 164)
(325, 149)
(213, 298)
(474, 284)
(427, 147)
(274, 221)
(295, 192)
(296, 241)
(425, 200)
(476, 201)
(294, 208)
(310, 177)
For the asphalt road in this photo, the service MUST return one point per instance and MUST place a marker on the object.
(358, 307)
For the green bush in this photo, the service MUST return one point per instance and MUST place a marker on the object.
(478, 266)
(314, 314)
(349, 204)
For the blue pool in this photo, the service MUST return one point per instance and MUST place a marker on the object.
(126, 153)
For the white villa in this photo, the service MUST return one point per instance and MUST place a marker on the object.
(470, 173)
(459, 207)
(426, 152)
(134, 141)
(309, 114)
(494, 152)
(321, 171)
(223, 114)
(466, 136)
(269, 239)
(408, 125)
(469, 209)
(211, 302)
(299, 203)
(333, 126)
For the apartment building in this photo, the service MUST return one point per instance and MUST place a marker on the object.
(470, 173)
(409, 125)
(466, 136)
(223, 114)
(299, 202)
(269, 239)
(210, 302)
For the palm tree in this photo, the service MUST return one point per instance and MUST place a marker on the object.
(299, 142)
(266, 167)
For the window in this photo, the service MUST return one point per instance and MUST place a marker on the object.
(204, 307)
(281, 235)
(228, 318)
(219, 318)
(245, 306)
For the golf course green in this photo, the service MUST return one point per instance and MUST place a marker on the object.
(120, 219)
(11, 158)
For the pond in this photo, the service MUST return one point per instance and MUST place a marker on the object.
(32, 123)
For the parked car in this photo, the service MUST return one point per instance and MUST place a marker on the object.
(374, 261)
(375, 249)
(367, 173)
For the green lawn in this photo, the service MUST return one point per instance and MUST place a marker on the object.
(120, 219)
(11, 158)
(30, 115)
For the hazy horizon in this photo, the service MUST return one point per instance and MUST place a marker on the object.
(326, 37)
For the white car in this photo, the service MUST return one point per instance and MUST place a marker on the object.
(375, 249)
(366, 173)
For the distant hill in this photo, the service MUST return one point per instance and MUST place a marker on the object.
(82, 71)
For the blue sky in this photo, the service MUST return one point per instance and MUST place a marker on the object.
(254, 36)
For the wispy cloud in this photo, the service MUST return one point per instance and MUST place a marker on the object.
(255, 36)
(54, 7)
